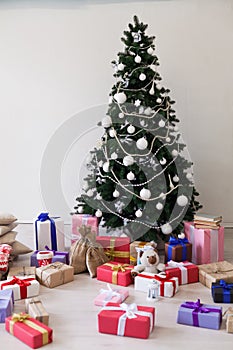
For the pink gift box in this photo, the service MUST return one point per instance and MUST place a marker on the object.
(207, 244)
(79, 220)
(111, 295)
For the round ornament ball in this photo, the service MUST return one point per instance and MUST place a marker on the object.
(150, 50)
(131, 129)
(116, 194)
(128, 160)
(145, 193)
(90, 193)
(148, 111)
(121, 115)
(163, 161)
(168, 139)
(159, 86)
(100, 163)
(98, 197)
(106, 167)
(176, 128)
(137, 59)
(112, 132)
(159, 100)
(138, 213)
(174, 153)
(130, 176)
(85, 186)
(152, 90)
(142, 143)
(161, 123)
(98, 213)
(142, 77)
(189, 176)
(181, 235)
(107, 121)
(80, 209)
(120, 66)
(166, 229)
(175, 178)
(114, 155)
(182, 200)
(120, 97)
(159, 206)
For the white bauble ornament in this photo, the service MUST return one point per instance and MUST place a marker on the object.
(128, 160)
(100, 163)
(90, 193)
(148, 111)
(107, 121)
(141, 110)
(163, 161)
(98, 213)
(98, 196)
(145, 193)
(137, 59)
(116, 194)
(120, 66)
(150, 50)
(176, 178)
(112, 132)
(106, 167)
(174, 153)
(142, 77)
(182, 200)
(166, 229)
(176, 128)
(114, 155)
(85, 186)
(181, 235)
(152, 90)
(189, 176)
(130, 176)
(120, 97)
(138, 213)
(159, 86)
(159, 100)
(121, 115)
(142, 143)
(142, 122)
(162, 123)
(80, 210)
(168, 139)
(159, 206)
(131, 129)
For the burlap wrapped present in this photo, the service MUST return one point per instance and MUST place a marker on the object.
(95, 257)
(229, 322)
(214, 272)
(55, 274)
(35, 308)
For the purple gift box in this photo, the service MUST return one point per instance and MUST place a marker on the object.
(57, 256)
(6, 304)
(200, 315)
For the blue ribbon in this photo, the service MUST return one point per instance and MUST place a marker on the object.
(44, 217)
(226, 289)
(174, 242)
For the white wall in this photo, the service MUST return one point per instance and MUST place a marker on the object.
(55, 68)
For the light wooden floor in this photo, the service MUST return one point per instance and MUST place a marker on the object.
(73, 316)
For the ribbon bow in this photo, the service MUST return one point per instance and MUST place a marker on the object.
(175, 241)
(20, 317)
(225, 285)
(110, 293)
(116, 268)
(129, 309)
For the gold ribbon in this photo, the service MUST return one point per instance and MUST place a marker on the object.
(116, 268)
(112, 253)
(24, 318)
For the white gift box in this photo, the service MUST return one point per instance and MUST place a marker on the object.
(167, 286)
(22, 287)
(43, 238)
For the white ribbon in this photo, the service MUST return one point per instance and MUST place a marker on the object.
(130, 311)
(182, 266)
(110, 293)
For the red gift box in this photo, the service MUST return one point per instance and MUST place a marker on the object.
(129, 320)
(185, 271)
(116, 248)
(115, 273)
(30, 331)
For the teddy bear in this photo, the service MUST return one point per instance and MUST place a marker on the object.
(149, 260)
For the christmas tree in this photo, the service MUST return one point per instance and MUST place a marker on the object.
(140, 182)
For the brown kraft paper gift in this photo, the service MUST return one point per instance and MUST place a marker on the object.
(35, 308)
(214, 272)
(55, 274)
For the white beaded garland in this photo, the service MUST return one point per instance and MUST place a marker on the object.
(142, 143)
(138, 213)
(120, 97)
(131, 129)
(182, 200)
(98, 213)
(142, 77)
(137, 59)
(166, 229)
(162, 195)
(128, 160)
(130, 176)
(145, 193)
(107, 121)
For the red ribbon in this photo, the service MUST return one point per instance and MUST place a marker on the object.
(22, 283)
(162, 280)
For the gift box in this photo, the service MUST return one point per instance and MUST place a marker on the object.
(22, 287)
(116, 248)
(49, 231)
(207, 245)
(126, 320)
(83, 223)
(22, 271)
(6, 304)
(35, 309)
(229, 321)
(55, 274)
(185, 271)
(214, 272)
(200, 315)
(115, 273)
(57, 256)
(111, 295)
(178, 249)
(222, 292)
(135, 248)
(30, 331)
(168, 286)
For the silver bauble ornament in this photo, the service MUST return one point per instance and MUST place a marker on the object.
(90, 193)
(98, 213)
(150, 50)
(189, 176)
(162, 123)
(145, 193)
(80, 210)
(142, 77)
(175, 178)
(142, 143)
(121, 115)
(106, 167)
(130, 176)
(116, 194)
(159, 206)
(163, 161)
(182, 200)
(120, 97)
(114, 155)
(174, 153)
(128, 160)
(98, 197)
(138, 213)
(112, 132)
(120, 66)
(166, 229)
(131, 129)
(137, 59)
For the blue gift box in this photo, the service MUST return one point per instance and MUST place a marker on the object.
(57, 256)
(222, 292)
(6, 304)
(200, 315)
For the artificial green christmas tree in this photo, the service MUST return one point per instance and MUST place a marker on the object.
(139, 180)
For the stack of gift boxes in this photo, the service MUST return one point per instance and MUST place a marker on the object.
(195, 256)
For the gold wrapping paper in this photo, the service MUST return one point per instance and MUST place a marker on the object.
(35, 309)
(55, 274)
(214, 272)
(22, 271)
